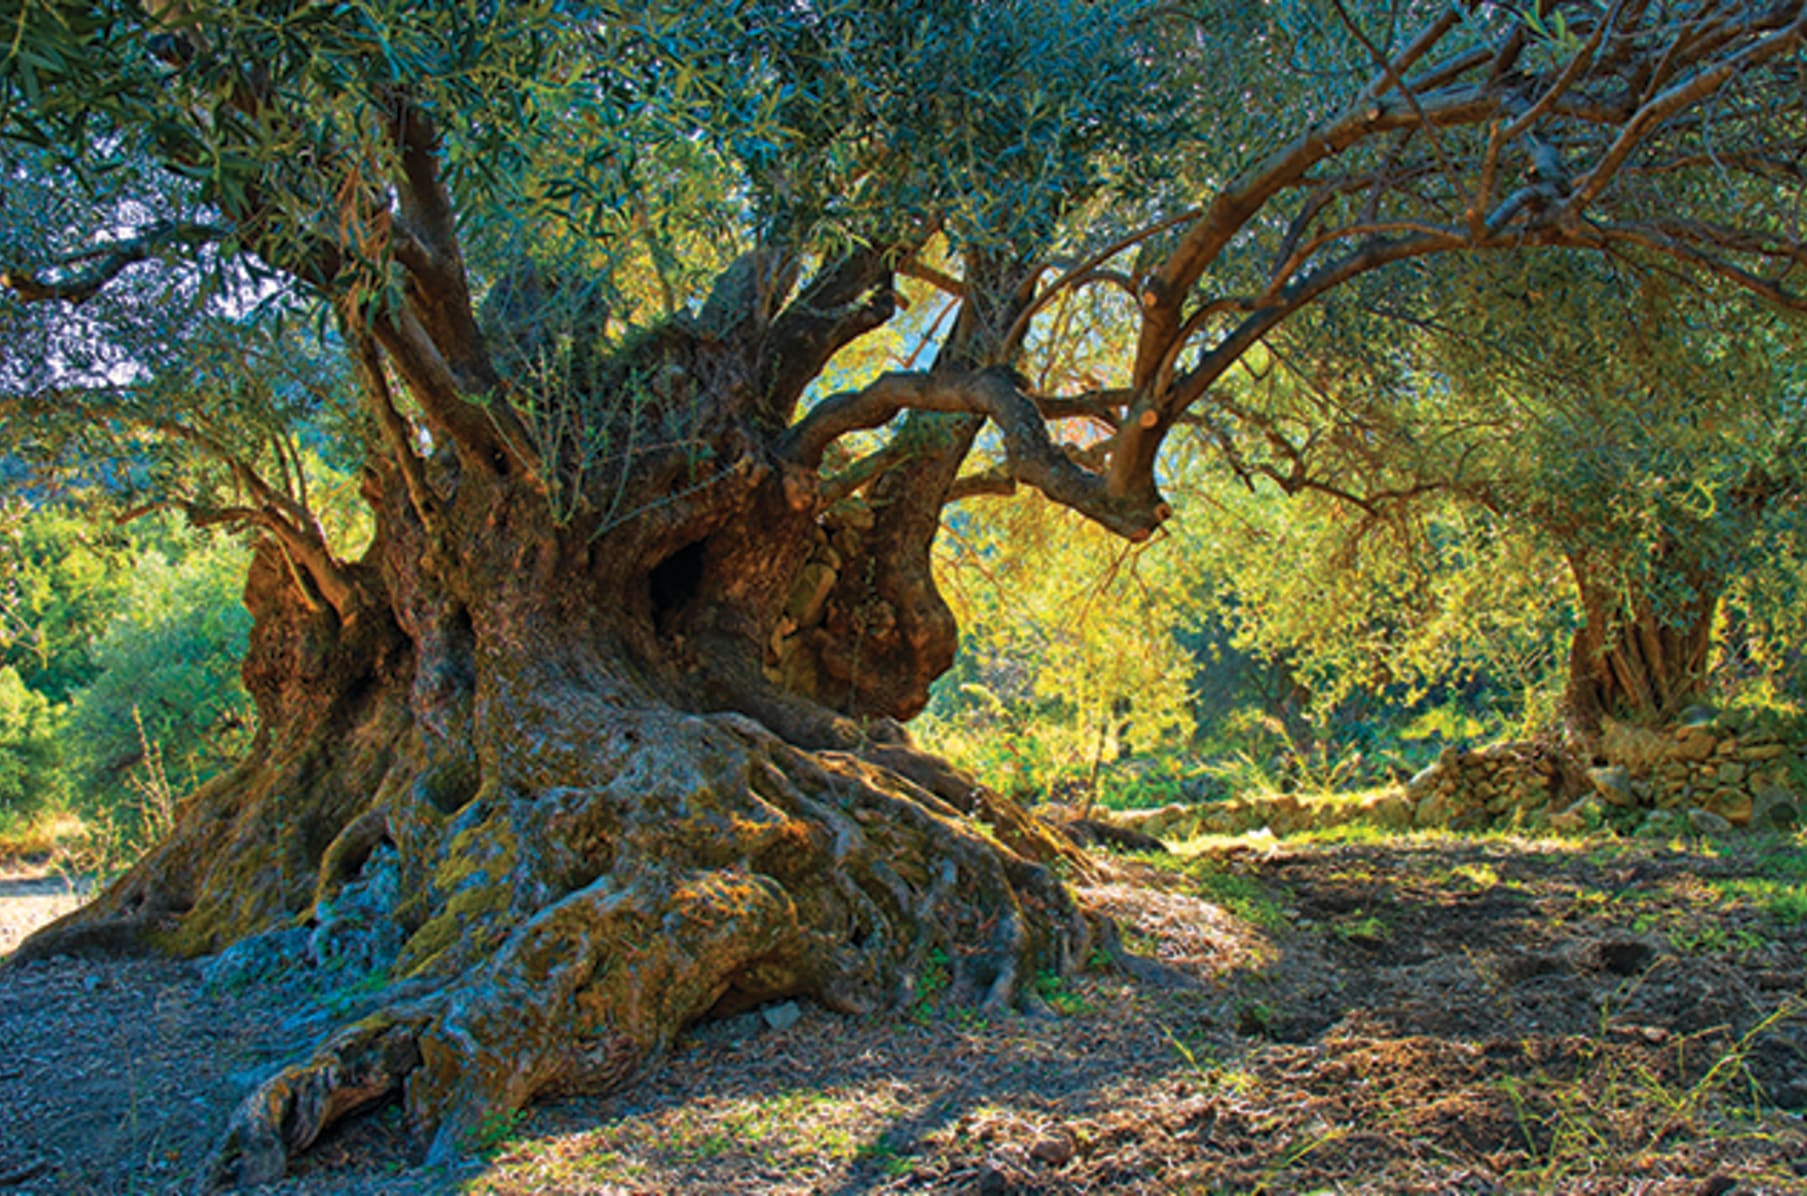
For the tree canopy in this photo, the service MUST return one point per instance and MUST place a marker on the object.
(1124, 195)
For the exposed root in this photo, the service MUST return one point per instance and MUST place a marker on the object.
(572, 932)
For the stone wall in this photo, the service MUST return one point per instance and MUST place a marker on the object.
(1706, 776)
(1503, 783)
(1703, 775)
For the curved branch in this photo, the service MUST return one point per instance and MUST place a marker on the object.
(993, 483)
(842, 303)
(1030, 456)
(107, 262)
(276, 512)
(1238, 203)
(1084, 270)
(1673, 100)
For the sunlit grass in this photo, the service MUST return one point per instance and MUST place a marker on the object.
(41, 837)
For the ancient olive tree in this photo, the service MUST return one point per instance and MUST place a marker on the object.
(596, 732)
(1572, 420)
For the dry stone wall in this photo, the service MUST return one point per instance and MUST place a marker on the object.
(1705, 776)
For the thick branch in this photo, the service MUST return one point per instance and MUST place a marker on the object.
(841, 304)
(1681, 95)
(102, 264)
(1030, 456)
(1165, 292)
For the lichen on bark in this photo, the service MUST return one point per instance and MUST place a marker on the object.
(562, 813)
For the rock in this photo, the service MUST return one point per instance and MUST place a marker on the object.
(1734, 805)
(1693, 744)
(1432, 811)
(1613, 784)
(1775, 809)
(1727, 747)
(1761, 751)
(1697, 715)
(1154, 820)
(1729, 774)
(1583, 815)
(1056, 1149)
(1633, 745)
(781, 1016)
(1705, 822)
(1390, 810)
(994, 1180)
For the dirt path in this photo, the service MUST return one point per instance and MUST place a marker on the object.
(30, 897)
(1437, 1016)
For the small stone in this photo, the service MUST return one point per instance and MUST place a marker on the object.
(1734, 805)
(994, 1181)
(1579, 817)
(1705, 822)
(1421, 782)
(1730, 774)
(1694, 744)
(1430, 812)
(1612, 783)
(782, 1016)
(1761, 751)
(1056, 1149)
(1775, 809)
(1697, 715)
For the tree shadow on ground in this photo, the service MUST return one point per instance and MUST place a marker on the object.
(1443, 1015)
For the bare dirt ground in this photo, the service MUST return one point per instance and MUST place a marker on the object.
(30, 897)
(1435, 1015)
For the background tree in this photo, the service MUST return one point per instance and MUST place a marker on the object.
(1648, 446)
(584, 264)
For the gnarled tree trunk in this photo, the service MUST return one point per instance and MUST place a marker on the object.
(538, 769)
(1632, 657)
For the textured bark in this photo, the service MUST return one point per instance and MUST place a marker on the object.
(541, 782)
(1629, 659)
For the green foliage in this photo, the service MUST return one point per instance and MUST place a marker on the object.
(30, 754)
(1059, 995)
(496, 1130)
(61, 580)
(930, 985)
(119, 685)
(167, 675)
(1072, 653)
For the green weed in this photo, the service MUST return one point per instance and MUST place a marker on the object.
(1240, 894)
(930, 985)
(1053, 989)
(496, 1129)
